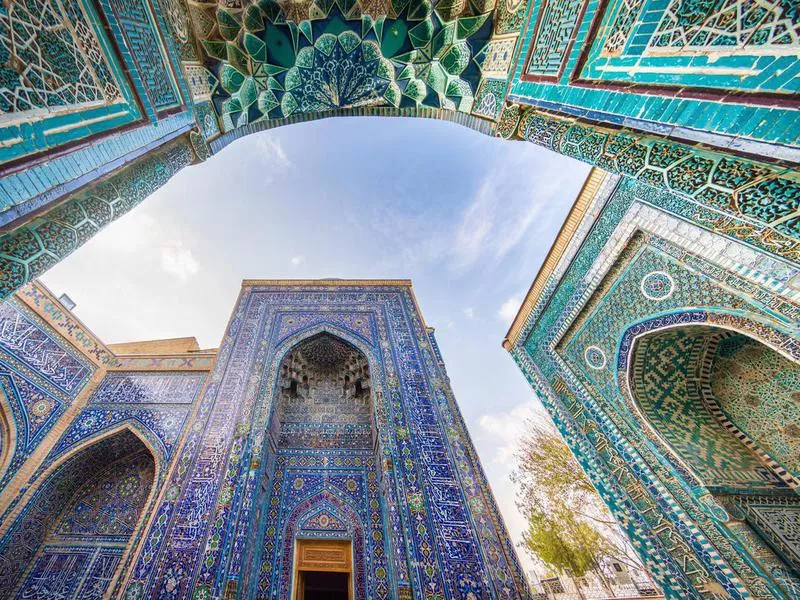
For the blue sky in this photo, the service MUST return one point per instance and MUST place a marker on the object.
(467, 217)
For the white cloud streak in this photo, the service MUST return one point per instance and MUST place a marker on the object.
(270, 151)
(178, 261)
(509, 310)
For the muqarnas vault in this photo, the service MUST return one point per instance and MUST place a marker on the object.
(318, 453)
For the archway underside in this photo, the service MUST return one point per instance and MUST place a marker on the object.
(726, 405)
(301, 59)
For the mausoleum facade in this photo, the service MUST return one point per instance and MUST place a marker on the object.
(319, 452)
(676, 270)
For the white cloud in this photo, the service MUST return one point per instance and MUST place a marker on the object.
(475, 227)
(512, 202)
(506, 428)
(178, 261)
(270, 151)
(298, 260)
(469, 313)
(509, 309)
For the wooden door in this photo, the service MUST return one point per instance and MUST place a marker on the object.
(332, 556)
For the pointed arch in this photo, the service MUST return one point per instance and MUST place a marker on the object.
(266, 409)
(101, 470)
(711, 321)
(667, 369)
(268, 415)
(357, 535)
(136, 427)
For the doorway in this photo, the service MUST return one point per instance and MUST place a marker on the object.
(322, 585)
(323, 570)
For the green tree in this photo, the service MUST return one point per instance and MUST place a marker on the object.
(569, 528)
(563, 542)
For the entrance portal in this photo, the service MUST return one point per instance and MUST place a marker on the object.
(319, 585)
(324, 570)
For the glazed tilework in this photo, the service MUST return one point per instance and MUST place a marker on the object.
(667, 391)
(275, 60)
(28, 251)
(52, 80)
(758, 390)
(762, 200)
(30, 344)
(779, 520)
(553, 35)
(148, 388)
(41, 375)
(733, 44)
(57, 63)
(52, 312)
(32, 413)
(623, 82)
(625, 284)
(158, 403)
(440, 529)
(331, 488)
(689, 102)
(323, 502)
(697, 26)
(667, 68)
(145, 52)
(72, 483)
(165, 424)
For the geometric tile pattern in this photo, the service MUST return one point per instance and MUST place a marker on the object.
(323, 403)
(25, 339)
(765, 196)
(146, 52)
(555, 25)
(305, 492)
(757, 389)
(255, 65)
(28, 251)
(75, 572)
(58, 77)
(778, 519)
(665, 383)
(40, 377)
(324, 398)
(109, 506)
(159, 403)
(699, 43)
(33, 413)
(164, 423)
(148, 388)
(280, 59)
(51, 58)
(707, 25)
(410, 492)
(107, 481)
(605, 299)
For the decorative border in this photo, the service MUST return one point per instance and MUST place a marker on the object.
(723, 95)
(525, 75)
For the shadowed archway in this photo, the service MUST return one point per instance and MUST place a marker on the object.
(70, 539)
(725, 404)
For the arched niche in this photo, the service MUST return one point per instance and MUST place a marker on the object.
(323, 397)
(70, 539)
(320, 476)
(719, 401)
